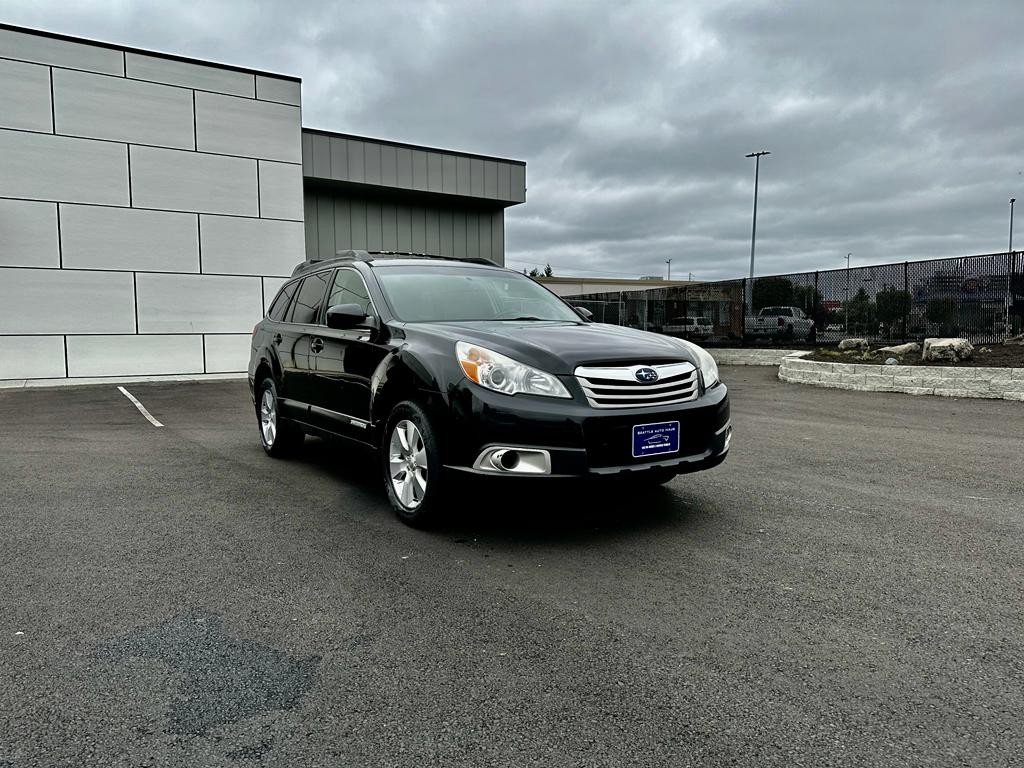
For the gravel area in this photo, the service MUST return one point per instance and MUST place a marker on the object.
(985, 356)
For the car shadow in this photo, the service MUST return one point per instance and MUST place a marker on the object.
(517, 509)
(563, 511)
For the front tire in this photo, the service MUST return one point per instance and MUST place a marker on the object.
(411, 459)
(278, 436)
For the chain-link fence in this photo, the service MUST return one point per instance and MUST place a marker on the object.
(980, 298)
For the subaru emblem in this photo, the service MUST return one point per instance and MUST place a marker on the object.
(646, 375)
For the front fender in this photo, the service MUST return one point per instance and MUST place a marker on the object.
(405, 375)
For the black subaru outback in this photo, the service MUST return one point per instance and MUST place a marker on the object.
(447, 366)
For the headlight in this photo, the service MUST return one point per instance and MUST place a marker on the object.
(708, 366)
(503, 374)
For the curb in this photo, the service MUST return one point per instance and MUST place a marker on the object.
(992, 383)
(750, 356)
(13, 384)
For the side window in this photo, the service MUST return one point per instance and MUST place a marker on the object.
(280, 305)
(348, 288)
(307, 302)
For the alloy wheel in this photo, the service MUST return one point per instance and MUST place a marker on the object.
(268, 417)
(407, 464)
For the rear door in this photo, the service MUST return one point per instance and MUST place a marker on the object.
(302, 324)
(276, 329)
(344, 361)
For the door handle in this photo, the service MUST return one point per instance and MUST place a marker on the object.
(277, 338)
(316, 346)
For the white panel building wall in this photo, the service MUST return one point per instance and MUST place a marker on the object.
(150, 208)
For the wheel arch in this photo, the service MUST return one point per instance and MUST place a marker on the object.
(268, 366)
(402, 376)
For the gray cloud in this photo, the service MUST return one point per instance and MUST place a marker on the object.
(895, 128)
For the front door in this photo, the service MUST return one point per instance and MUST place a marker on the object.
(344, 361)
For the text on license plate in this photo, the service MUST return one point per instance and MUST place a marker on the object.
(652, 439)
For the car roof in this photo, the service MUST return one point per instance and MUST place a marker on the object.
(389, 258)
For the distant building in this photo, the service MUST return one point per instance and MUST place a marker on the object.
(578, 286)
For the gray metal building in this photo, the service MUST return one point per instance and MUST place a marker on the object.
(151, 205)
(382, 195)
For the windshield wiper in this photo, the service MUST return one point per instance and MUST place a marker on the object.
(525, 317)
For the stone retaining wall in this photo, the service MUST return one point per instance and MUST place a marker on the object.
(750, 356)
(1000, 383)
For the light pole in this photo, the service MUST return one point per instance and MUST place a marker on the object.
(846, 308)
(753, 226)
(1009, 262)
(1012, 201)
(669, 262)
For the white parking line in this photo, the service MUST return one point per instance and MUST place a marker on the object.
(141, 407)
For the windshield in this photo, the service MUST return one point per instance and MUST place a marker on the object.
(433, 294)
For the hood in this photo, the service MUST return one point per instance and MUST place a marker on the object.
(558, 347)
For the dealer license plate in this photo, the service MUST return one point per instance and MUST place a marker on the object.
(652, 439)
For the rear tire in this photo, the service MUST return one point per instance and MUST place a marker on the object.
(412, 466)
(278, 436)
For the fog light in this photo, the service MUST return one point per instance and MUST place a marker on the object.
(520, 461)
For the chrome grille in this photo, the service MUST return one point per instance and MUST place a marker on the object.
(617, 386)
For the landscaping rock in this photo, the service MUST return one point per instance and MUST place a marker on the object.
(853, 344)
(891, 361)
(953, 350)
(1018, 340)
(901, 349)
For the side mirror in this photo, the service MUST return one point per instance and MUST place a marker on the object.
(345, 316)
(587, 314)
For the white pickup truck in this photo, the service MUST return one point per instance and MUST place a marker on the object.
(780, 323)
(688, 327)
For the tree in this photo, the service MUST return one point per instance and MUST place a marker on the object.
(548, 271)
(892, 307)
(942, 311)
(806, 297)
(861, 312)
(534, 272)
(772, 292)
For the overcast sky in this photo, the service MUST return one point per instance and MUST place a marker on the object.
(896, 128)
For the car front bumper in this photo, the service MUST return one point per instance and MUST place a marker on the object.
(578, 439)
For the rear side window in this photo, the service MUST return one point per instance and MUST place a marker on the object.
(307, 302)
(280, 305)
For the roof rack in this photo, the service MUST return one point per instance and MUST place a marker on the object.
(419, 255)
(359, 255)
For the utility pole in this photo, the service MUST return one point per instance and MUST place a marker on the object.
(846, 308)
(669, 262)
(753, 227)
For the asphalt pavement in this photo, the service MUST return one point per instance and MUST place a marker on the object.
(847, 589)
